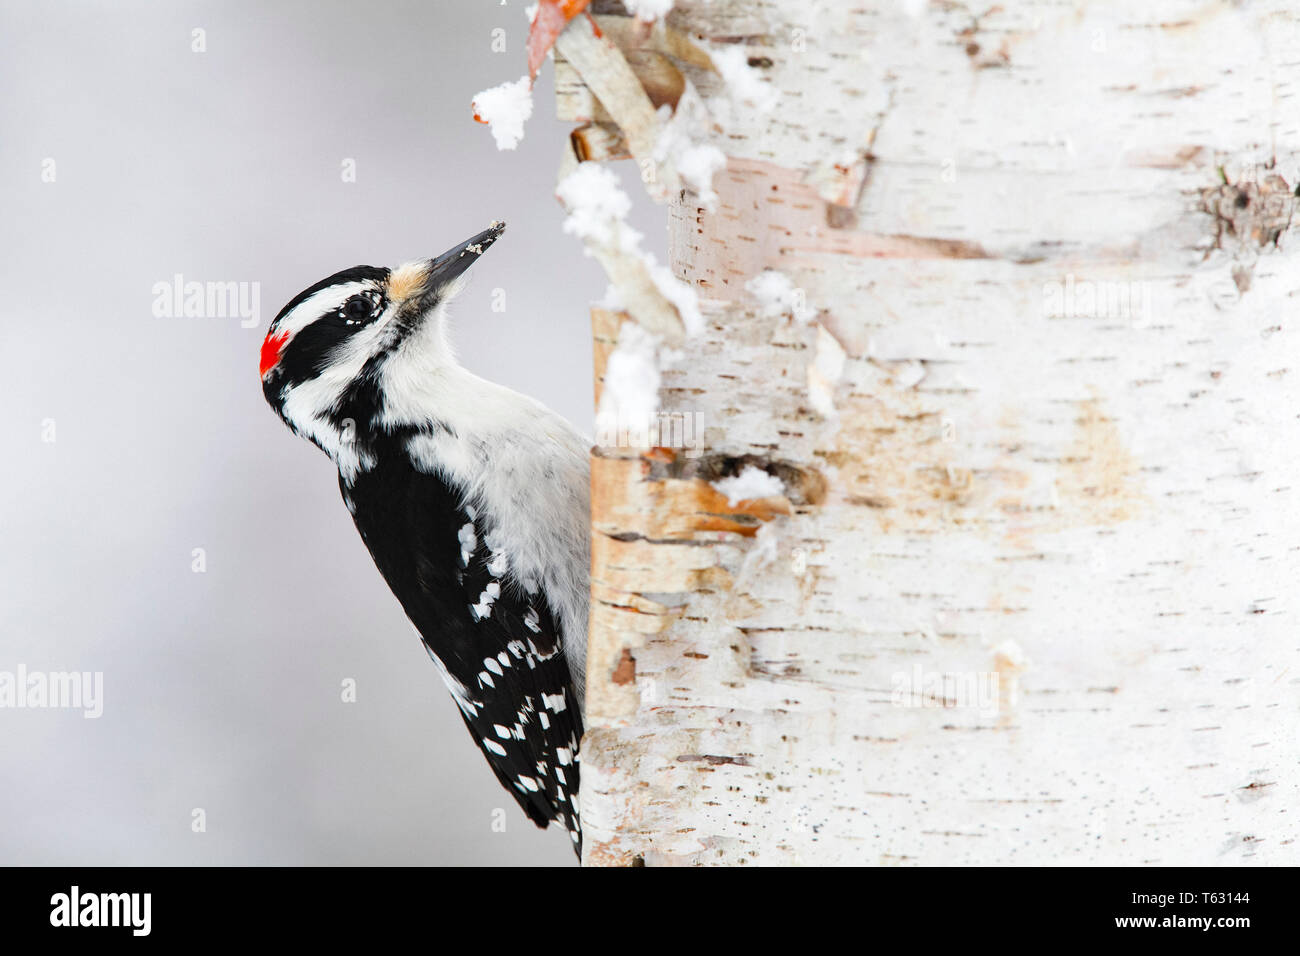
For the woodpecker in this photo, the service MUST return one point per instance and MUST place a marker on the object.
(472, 499)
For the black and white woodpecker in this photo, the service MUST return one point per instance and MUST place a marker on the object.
(472, 498)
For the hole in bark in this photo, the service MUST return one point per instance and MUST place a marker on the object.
(625, 670)
(1248, 214)
(803, 485)
(840, 217)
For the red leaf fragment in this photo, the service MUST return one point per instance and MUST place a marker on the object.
(552, 17)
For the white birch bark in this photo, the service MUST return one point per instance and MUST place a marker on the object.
(1035, 406)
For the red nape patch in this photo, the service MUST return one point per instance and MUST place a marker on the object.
(272, 346)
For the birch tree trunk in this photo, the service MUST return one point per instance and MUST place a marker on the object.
(1026, 593)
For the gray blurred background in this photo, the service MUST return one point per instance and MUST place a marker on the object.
(223, 689)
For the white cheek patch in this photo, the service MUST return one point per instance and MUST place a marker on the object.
(311, 406)
(358, 348)
(320, 394)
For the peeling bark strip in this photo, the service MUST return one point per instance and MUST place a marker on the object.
(612, 79)
(1022, 373)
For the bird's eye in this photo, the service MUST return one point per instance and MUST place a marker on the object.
(357, 309)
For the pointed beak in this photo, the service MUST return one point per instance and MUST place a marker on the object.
(446, 268)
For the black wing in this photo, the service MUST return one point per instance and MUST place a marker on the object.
(499, 647)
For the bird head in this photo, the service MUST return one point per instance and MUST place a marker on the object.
(331, 354)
